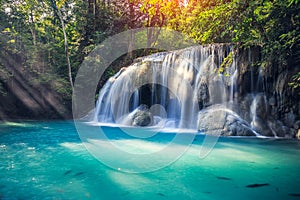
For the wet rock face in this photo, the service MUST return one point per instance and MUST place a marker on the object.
(261, 106)
(203, 95)
(237, 127)
(260, 126)
(217, 92)
(244, 105)
(297, 125)
(278, 129)
(142, 117)
(219, 120)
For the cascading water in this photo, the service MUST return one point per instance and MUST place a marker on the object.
(181, 82)
(208, 88)
(233, 85)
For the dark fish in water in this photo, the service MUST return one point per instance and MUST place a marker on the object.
(68, 172)
(295, 195)
(223, 178)
(207, 192)
(79, 173)
(275, 168)
(161, 194)
(257, 185)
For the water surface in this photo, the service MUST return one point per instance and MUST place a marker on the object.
(47, 160)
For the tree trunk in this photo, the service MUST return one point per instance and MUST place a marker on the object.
(66, 49)
(32, 28)
(131, 43)
(132, 32)
(57, 10)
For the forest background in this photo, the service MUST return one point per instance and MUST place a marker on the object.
(43, 43)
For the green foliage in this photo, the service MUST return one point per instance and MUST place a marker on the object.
(295, 82)
(274, 25)
(227, 62)
(31, 31)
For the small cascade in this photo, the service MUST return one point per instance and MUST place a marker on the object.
(233, 86)
(253, 109)
(102, 111)
(136, 100)
(259, 114)
(260, 85)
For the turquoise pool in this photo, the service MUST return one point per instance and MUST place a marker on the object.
(47, 160)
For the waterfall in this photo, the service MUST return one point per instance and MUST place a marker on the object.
(233, 85)
(181, 82)
(260, 85)
(253, 109)
(215, 89)
(136, 98)
(259, 110)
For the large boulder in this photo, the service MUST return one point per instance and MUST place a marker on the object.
(219, 120)
(142, 116)
(236, 126)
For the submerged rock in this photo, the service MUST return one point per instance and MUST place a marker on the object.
(219, 120)
(142, 116)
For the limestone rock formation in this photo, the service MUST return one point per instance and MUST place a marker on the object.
(142, 116)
